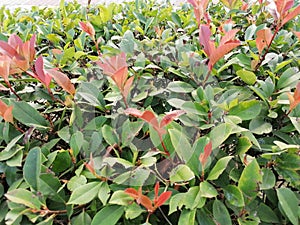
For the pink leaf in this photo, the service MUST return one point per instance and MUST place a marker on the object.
(206, 153)
(62, 80)
(291, 15)
(112, 64)
(40, 73)
(204, 37)
(169, 117)
(229, 36)
(6, 49)
(88, 28)
(294, 99)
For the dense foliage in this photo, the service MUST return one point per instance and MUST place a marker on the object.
(146, 113)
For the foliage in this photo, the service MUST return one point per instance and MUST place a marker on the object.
(146, 113)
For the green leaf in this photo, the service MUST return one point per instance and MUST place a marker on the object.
(207, 190)
(109, 135)
(289, 204)
(50, 187)
(176, 202)
(28, 115)
(130, 130)
(221, 213)
(244, 144)
(48, 221)
(218, 169)
(32, 168)
(127, 43)
(249, 180)
(288, 77)
(103, 193)
(246, 110)
(234, 196)
(187, 217)
(90, 93)
(219, 134)
(247, 76)
(81, 219)
(76, 142)
(179, 140)
(76, 182)
(295, 121)
(259, 126)
(133, 211)
(181, 173)
(24, 197)
(68, 54)
(268, 179)
(120, 198)
(180, 87)
(109, 215)
(84, 193)
(266, 214)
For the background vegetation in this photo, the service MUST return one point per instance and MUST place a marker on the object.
(145, 113)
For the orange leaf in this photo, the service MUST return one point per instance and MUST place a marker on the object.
(169, 117)
(163, 198)
(151, 119)
(263, 39)
(297, 33)
(4, 67)
(6, 112)
(62, 80)
(206, 153)
(199, 8)
(221, 51)
(120, 77)
(127, 86)
(156, 189)
(295, 99)
(88, 28)
(140, 198)
(229, 36)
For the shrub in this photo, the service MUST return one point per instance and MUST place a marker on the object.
(147, 113)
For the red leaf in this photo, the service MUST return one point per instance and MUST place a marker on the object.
(4, 67)
(6, 112)
(140, 198)
(88, 28)
(127, 86)
(134, 112)
(163, 198)
(6, 49)
(156, 189)
(62, 80)
(206, 153)
(40, 74)
(169, 117)
(120, 77)
(151, 119)
(204, 37)
(28, 50)
(199, 8)
(229, 36)
(221, 51)
(263, 39)
(291, 15)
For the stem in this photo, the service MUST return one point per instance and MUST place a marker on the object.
(206, 78)
(164, 216)
(262, 58)
(163, 145)
(13, 91)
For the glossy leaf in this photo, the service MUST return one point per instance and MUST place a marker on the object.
(206, 153)
(84, 193)
(187, 217)
(88, 28)
(32, 168)
(24, 197)
(234, 195)
(221, 213)
(249, 181)
(207, 190)
(40, 73)
(109, 215)
(289, 204)
(246, 110)
(6, 112)
(247, 76)
(219, 168)
(294, 99)
(266, 214)
(263, 39)
(181, 173)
